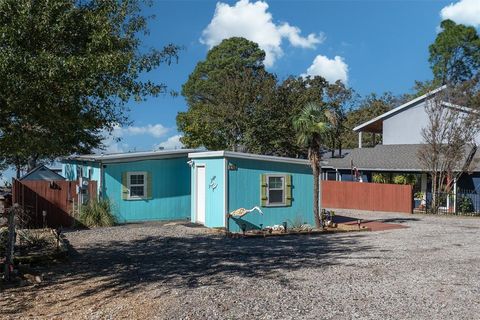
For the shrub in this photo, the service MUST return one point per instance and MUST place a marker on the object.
(466, 205)
(405, 179)
(381, 178)
(419, 195)
(296, 223)
(3, 240)
(97, 213)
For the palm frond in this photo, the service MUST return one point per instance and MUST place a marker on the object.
(311, 122)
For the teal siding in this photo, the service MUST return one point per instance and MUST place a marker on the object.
(244, 192)
(95, 172)
(214, 202)
(170, 190)
(69, 170)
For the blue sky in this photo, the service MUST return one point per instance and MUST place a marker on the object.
(375, 46)
(384, 45)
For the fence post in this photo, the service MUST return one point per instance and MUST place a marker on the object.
(10, 242)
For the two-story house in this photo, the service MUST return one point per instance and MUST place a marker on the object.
(400, 130)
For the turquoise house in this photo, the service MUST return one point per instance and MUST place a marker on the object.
(199, 186)
(224, 181)
(141, 186)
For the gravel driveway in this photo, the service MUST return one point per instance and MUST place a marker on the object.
(179, 271)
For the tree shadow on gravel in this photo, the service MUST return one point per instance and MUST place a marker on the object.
(347, 219)
(197, 260)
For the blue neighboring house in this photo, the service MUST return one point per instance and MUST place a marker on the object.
(200, 186)
(224, 181)
(141, 186)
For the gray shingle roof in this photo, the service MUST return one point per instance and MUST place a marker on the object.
(399, 157)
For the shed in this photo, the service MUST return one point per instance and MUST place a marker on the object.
(41, 172)
(224, 181)
(141, 186)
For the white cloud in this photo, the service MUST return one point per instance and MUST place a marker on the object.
(112, 146)
(465, 12)
(252, 21)
(171, 143)
(156, 130)
(331, 69)
(112, 141)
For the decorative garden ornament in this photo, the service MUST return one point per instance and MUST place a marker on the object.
(242, 211)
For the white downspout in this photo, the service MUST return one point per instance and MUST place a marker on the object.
(455, 195)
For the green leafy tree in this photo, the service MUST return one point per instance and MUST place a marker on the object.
(291, 96)
(370, 107)
(223, 94)
(312, 127)
(455, 54)
(339, 100)
(68, 69)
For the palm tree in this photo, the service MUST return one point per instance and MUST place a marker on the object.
(312, 126)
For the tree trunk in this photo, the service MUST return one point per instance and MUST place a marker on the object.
(340, 148)
(314, 156)
(18, 171)
(316, 211)
(32, 163)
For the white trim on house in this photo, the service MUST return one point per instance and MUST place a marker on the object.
(459, 108)
(241, 155)
(283, 188)
(195, 194)
(144, 184)
(397, 109)
(132, 156)
(225, 192)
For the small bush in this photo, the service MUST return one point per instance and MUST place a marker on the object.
(97, 213)
(3, 240)
(296, 223)
(405, 179)
(33, 238)
(381, 178)
(466, 205)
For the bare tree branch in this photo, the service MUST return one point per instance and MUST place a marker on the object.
(449, 138)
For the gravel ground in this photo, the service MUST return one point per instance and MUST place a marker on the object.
(179, 271)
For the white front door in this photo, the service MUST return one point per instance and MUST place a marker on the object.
(200, 194)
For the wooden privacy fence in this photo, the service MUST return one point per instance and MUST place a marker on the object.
(367, 196)
(56, 198)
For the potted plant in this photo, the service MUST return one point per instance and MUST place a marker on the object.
(420, 200)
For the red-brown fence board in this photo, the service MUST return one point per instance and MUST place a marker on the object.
(54, 197)
(367, 196)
